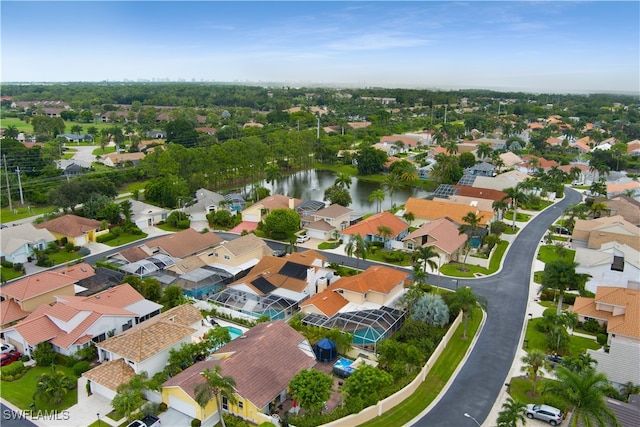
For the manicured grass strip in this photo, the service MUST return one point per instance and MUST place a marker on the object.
(10, 274)
(20, 212)
(20, 392)
(125, 238)
(549, 253)
(437, 378)
(99, 152)
(537, 339)
(63, 257)
(453, 271)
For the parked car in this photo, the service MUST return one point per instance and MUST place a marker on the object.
(147, 421)
(303, 238)
(554, 359)
(562, 230)
(553, 416)
(9, 358)
(6, 348)
(279, 253)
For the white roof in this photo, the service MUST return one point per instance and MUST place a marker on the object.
(13, 238)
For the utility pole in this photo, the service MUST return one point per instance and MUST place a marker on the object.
(318, 130)
(20, 186)
(6, 174)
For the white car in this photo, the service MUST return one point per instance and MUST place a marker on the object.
(303, 238)
(6, 348)
(553, 416)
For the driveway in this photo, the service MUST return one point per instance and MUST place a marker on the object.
(482, 378)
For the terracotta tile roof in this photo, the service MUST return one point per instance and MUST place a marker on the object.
(119, 296)
(369, 226)
(377, 278)
(265, 360)
(110, 374)
(328, 302)
(619, 188)
(535, 125)
(605, 222)
(77, 271)
(432, 209)
(123, 157)
(626, 324)
(411, 142)
(243, 244)
(567, 168)
(38, 284)
(70, 225)
(633, 146)
(484, 193)
(441, 233)
(332, 211)
(278, 201)
(134, 253)
(184, 243)
(10, 311)
(581, 144)
(185, 315)
(308, 258)
(37, 330)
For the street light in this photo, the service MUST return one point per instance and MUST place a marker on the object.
(99, 423)
(474, 420)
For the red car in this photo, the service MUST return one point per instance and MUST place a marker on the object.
(8, 358)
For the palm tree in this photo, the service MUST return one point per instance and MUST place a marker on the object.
(357, 245)
(533, 361)
(272, 173)
(628, 389)
(585, 393)
(512, 413)
(377, 196)
(53, 386)
(560, 275)
(499, 206)
(127, 401)
(392, 182)
(215, 386)
(464, 299)
(516, 195)
(598, 188)
(11, 132)
(385, 232)
(343, 180)
(425, 254)
(451, 147)
(597, 208)
(484, 151)
(470, 226)
(409, 217)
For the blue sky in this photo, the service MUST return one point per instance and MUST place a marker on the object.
(544, 46)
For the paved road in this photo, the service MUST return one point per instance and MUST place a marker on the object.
(12, 419)
(479, 382)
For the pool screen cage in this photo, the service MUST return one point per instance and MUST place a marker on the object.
(367, 326)
(274, 306)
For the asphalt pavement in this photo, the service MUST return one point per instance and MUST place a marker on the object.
(480, 381)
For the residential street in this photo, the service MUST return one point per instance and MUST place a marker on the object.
(480, 381)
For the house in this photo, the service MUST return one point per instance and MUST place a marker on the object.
(32, 291)
(145, 347)
(475, 202)
(235, 202)
(478, 192)
(426, 211)
(500, 182)
(120, 159)
(633, 148)
(613, 264)
(76, 137)
(156, 134)
(593, 233)
(259, 210)
(17, 243)
(531, 164)
(145, 215)
(206, 202)
(495, 143)
(10, 313)
(362, 305)
(627, 207)
(237, 255)
(282, 353)
(181, 244)
(73, 322)
(481, 169)
(76, 229)
(623, 187)
(275, 286)
(510, 159)
(395, 144)
(583, 145)
(323, 223)
(580, 166)
(370, 230)
(308, 207)
(442, 234)
(619, 310)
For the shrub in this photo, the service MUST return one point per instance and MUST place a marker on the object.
(84, 251)
(394, 256)
(184, 224)
(105, 237)
(162, 407)
(25, 358)
(150, 408)
(80, 367)
(602, 339)
(64, 241)
(6, 264)
(13, 371)
(69, 247)
(44, 354)
(498, 227)
(70, 362)
(88, 353)
(591, 325)
(18, 267)
(195, 422)
(569, 299)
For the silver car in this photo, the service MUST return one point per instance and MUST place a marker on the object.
(553, 416)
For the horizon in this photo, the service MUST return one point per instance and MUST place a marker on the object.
(531, 47)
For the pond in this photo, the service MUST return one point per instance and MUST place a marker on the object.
(310, 185)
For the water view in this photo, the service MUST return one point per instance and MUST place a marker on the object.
(310, 185)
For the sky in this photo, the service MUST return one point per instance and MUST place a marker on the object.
(542, 46)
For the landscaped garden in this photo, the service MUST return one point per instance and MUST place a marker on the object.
(20, 392)
(468, 270)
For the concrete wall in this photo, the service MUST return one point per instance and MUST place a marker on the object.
(385, 405)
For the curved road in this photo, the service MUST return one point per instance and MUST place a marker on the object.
(478, 384)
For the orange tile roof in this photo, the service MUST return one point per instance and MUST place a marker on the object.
(119, 296)
(369, 226)
(10, 311)
(37, 284)
(484, 193)
(111, 374)
(442, 233)
(278, 201)
(433, 209)
(70, 225)
(626, 324)
(618, 188)
(328, 302)
(378, 278)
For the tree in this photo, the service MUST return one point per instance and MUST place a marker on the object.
(425, 255)
(409, 217)
(52, 386)
(312, 389)
(470, 226)
(281, 223)
(431, 309)
(385, 232)
(466, 160)
(451, 147)
(43, 354)
(628, 389)
(127, 212)
(533, 361)
(391, 183)
(214, 387)
(127, 401)
(585, 393)
(343, 180)
(464, 299)
(172, 296)
(365, 386)
(370, 160)
(338, 195)
(377, 196)
(484, 151)
(512, 414)
(560, 276)
(357, 245)
(11, 132)
(516, 195)
(216, 337)
(272, 173)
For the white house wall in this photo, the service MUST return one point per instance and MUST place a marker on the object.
(102, 390)
(156, 363)
(602, 275)
(622, 363)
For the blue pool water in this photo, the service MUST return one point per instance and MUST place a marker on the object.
(234, 332)
(342, 367)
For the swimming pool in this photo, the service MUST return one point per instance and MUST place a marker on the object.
(234, 332)
(342, 367)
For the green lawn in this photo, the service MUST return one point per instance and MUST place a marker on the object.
(520, 217)
(63, 257)
(510, 230)
(100, 152)
(453, 271)
(436, 379)
(132, 186)
(537, 339)
(10, 274)
(20, 392)
(549, 253)
(378, 256)
(168, 227)
(125, 238)
(520, 390)
(21, 212)
(24, 127)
